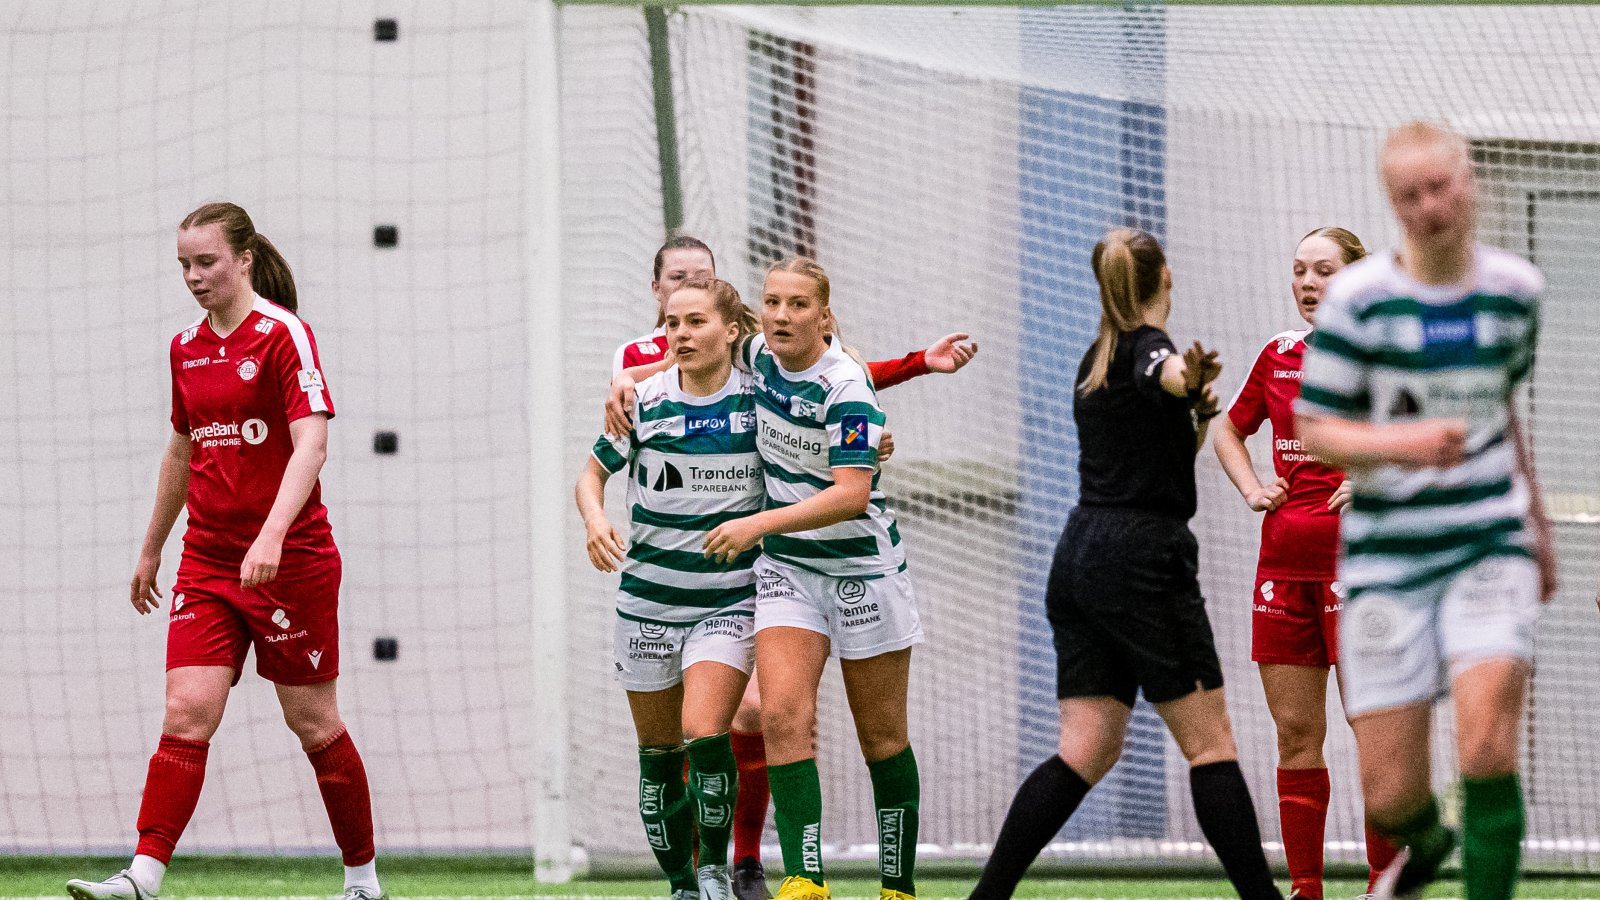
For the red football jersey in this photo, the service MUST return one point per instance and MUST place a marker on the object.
(1300, 539)
(648, 348)
(235, 397)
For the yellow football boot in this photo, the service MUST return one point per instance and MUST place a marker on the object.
(799, 887)
(886, 894)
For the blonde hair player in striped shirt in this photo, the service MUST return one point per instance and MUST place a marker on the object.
(1410, 387)
(684, 638)
(831, 579)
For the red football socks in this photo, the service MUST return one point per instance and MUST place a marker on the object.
(171, 790)
(343, 781)
(1380, 853)
(750, 809)
(1303, 811)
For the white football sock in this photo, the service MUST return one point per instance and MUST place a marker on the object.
(147, 872)
(362, 876)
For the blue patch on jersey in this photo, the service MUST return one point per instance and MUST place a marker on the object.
(1453, 332)
(705, 424)
(853, 433)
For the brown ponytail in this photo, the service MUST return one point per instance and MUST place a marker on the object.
(270, 275)
(1128, 264)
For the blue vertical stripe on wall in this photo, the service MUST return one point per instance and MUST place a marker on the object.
(1086, 163)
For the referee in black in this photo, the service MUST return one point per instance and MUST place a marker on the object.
(1124, 593)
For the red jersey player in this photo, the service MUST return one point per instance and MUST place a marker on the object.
(681, 259)
(250, 411)
(1297, 599)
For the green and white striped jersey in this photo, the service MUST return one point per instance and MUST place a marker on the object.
(809, 422)
(692, 465)
(1388, 348)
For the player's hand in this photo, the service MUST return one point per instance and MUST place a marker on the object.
(1435, 443)
(261, 562)
(1269, 497)
(143, 591)
(606, 548)
(1341, 496)
(619, 406)
(885, 446)
(1207, 407)
(948, 354)
(1200, 367)
(728, 540)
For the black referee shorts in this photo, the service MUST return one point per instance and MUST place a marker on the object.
(1125, 608)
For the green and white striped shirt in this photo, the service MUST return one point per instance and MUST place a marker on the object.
(810, 422)
(692, 465)
(1388, 348)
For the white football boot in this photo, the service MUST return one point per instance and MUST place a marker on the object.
(120, 886)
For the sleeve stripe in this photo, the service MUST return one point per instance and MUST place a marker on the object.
(302, 346)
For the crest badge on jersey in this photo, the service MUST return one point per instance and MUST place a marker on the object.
(249, 369)
(801, 408)
(853, 433)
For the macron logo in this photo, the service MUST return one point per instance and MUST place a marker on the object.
(316, 658)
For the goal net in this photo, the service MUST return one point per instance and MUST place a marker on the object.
(952, 168)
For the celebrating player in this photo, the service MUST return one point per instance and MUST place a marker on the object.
(678, 260)
(1295, 621)
(250, 415)
(1409, 386)
(685, 625)
(830, 580)
(1124, 595)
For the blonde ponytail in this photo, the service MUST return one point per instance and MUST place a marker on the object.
(1128, 264)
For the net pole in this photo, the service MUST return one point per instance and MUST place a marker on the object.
(655, 19)
(549, 813)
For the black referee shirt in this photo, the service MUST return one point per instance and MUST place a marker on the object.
(1136, 441)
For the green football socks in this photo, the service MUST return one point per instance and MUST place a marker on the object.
(1491, 832)
(713, 780)
(797, 809)
(896, 791)
(667, 813)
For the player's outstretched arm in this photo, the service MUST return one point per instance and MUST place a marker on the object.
(605, 545)
(309, 434)
(947, 355)
(172, 488)
(1347, 444)
(848, 496)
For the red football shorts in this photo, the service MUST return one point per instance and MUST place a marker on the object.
(1295, 623)
(293, 623)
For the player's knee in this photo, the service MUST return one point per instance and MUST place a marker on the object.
(1301, 738)
(1488, 755)
(748, 718)
(313, 726)
(788, 721)
(191, 715)
(881, 743)
(1091, 755)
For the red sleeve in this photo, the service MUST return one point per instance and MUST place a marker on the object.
(891, 372)
(180, 415)
(298, 371)
(1249, 408)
